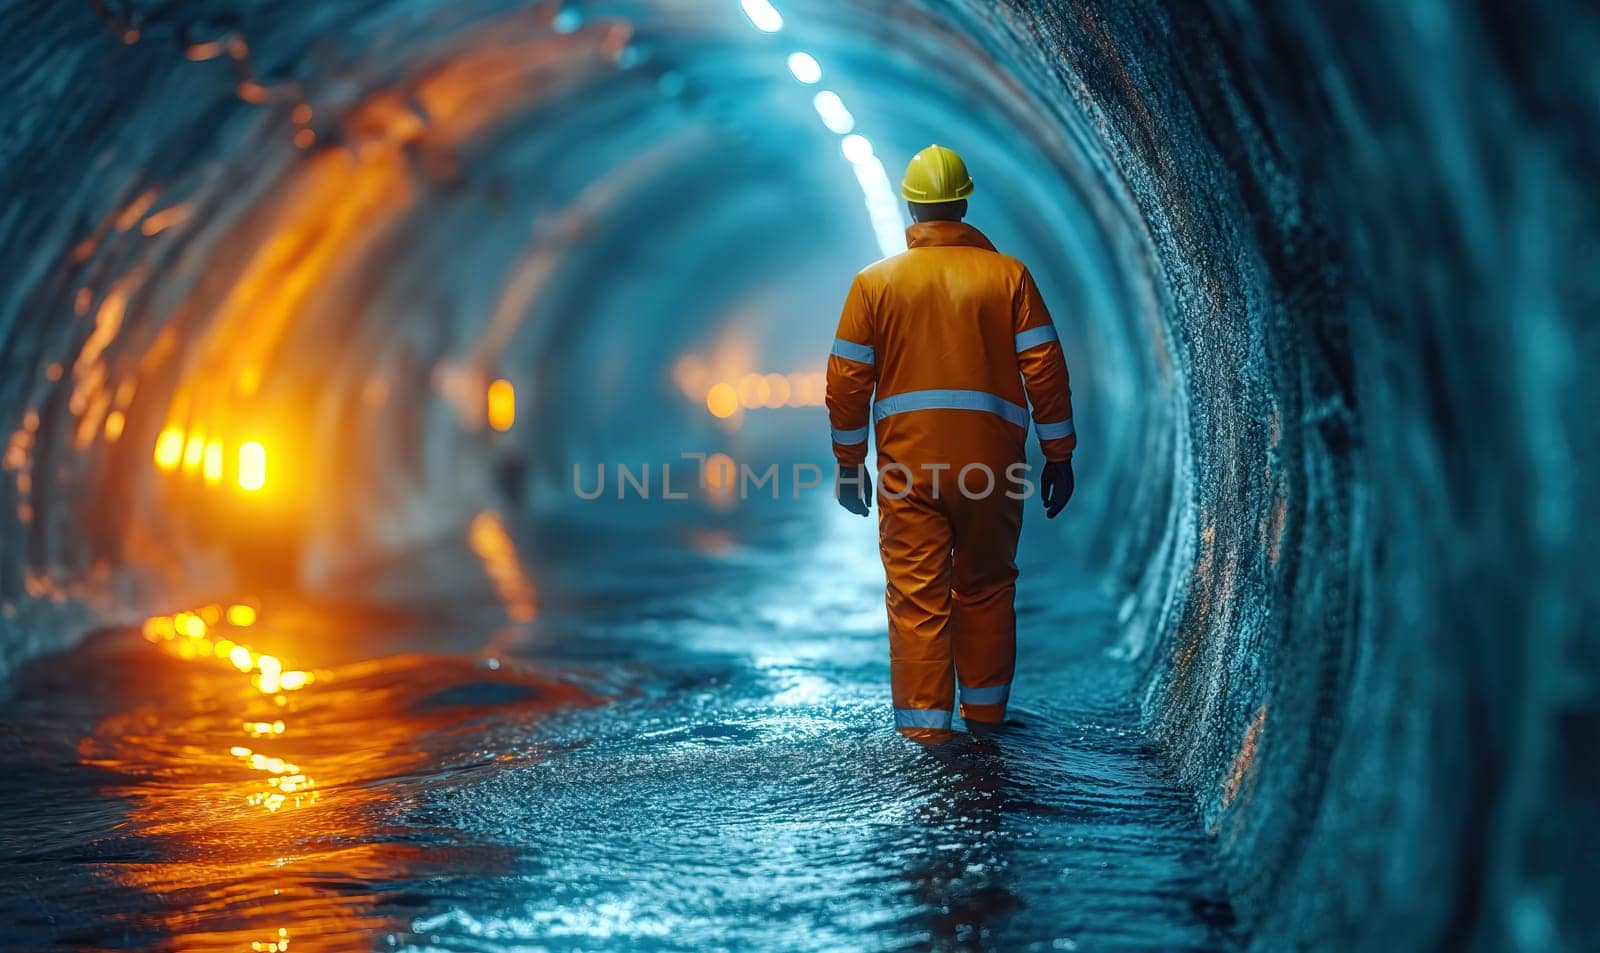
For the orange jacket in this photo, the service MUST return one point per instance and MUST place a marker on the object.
(957, 342)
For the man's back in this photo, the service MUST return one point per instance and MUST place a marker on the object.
(950, 326)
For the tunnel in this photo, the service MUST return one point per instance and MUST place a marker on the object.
(404, 376)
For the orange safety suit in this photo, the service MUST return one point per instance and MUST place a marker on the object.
(956, 340)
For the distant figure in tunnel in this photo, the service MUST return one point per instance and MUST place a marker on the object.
(955, 339)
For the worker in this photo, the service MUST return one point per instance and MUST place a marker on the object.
(954, 341)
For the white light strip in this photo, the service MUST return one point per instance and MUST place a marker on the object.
(805, 68)
(883, 207)
(883, 203)
(763, 15)
(834, 115)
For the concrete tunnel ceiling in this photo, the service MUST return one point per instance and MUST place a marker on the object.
(321, 237)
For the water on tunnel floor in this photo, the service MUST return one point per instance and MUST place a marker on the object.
(688, 748)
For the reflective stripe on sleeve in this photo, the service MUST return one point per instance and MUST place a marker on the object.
(1033, 337)
(1055, 431)
(992, 695)
(849, 437)
(950, 400)
(921, 718)
(851, 351)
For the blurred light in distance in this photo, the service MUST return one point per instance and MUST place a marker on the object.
(193, 451)
(777, 391)
(770, 391)
(241, 615)
(720, 474)
(805, 68)
(754, 391)
(833, 112)
(211, 467)
(252, 466)
(763, 15)
(567, 21)
(502, 405)
(883, 204)
(722, 400)
(159, 627)
(169, 448)
(856, 148)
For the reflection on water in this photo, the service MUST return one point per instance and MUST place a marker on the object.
(688, 748)
(210, 634)
(255, 787)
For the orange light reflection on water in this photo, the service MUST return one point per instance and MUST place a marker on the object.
(261, 795)
(494, 546)
(189, 635)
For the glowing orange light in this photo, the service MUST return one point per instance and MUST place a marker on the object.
(502, 405)
(722, 400)
(241, 615)
(252, 466)
(211, 466)
(187, 623)
(193, 452)
(777, 391)
(495, 548)
(754, 390)
(807, 390)
(720, 472)
(169, 448)
(115, 421)
(240, 657)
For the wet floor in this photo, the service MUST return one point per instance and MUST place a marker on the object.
(686, 748)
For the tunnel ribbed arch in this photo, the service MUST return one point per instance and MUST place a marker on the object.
(1310, 267)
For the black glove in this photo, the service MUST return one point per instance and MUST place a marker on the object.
(854, 489)
(1055, 487)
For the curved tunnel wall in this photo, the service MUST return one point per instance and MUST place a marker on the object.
(1329, 319)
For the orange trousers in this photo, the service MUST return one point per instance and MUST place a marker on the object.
(950, 562)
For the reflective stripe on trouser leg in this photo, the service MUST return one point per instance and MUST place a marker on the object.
(922, 718)
(983, 614)
(914, 539)
(988, 695)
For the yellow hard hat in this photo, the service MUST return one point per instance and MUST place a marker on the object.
(936, 174)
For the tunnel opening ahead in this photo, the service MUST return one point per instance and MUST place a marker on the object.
(297, 296)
